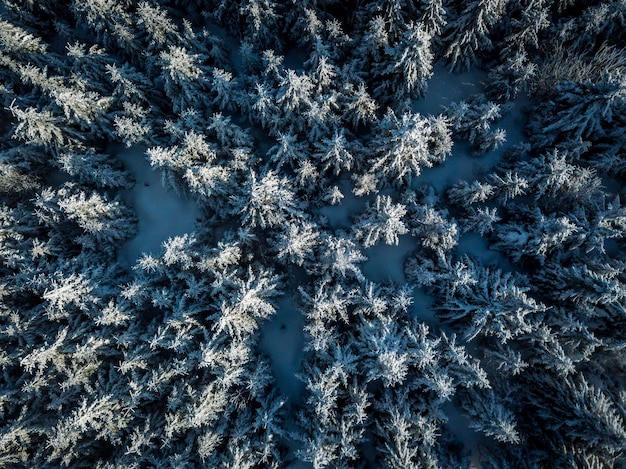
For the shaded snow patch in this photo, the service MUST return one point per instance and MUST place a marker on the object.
(386, 262)
(342, 214)
(162, 214)
(282, 339)
(474, 245)
(445, 88)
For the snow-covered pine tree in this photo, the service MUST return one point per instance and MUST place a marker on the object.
(111, 20)
(432, 228)
(155, 23)
(491, 416)
(183, 76)
(404, 145)
(295, 243)
(94, 168)
(381, 220)
(361, 107)
(99, 222)
(581, 110)
(225, 88)
(411, 62)
(38, 128)
(494, 306)
(289, 150)
(480, 220)
(336, 153)
(267, 201)
(539, 235)
(594, 425)
(468, 35)
(512, 77)
(472, 121)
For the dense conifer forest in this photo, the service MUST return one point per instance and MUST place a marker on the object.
(312, 234)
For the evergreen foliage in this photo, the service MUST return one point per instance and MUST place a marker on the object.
(301, 132)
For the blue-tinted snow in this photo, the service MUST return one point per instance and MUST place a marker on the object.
(445, 88)
(162, 214)
(341, 215)
(386, 262)
(282, 339)
(294, 59)
(56, 177)
(459, 425)
(301, 465)
(476, 246)
(422, 307)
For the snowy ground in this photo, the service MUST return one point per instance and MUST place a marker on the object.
(386, 263)
(340, 216)
(445, 88)
(459, 425)
(475, 245)
(162, 214)
(282, 340)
